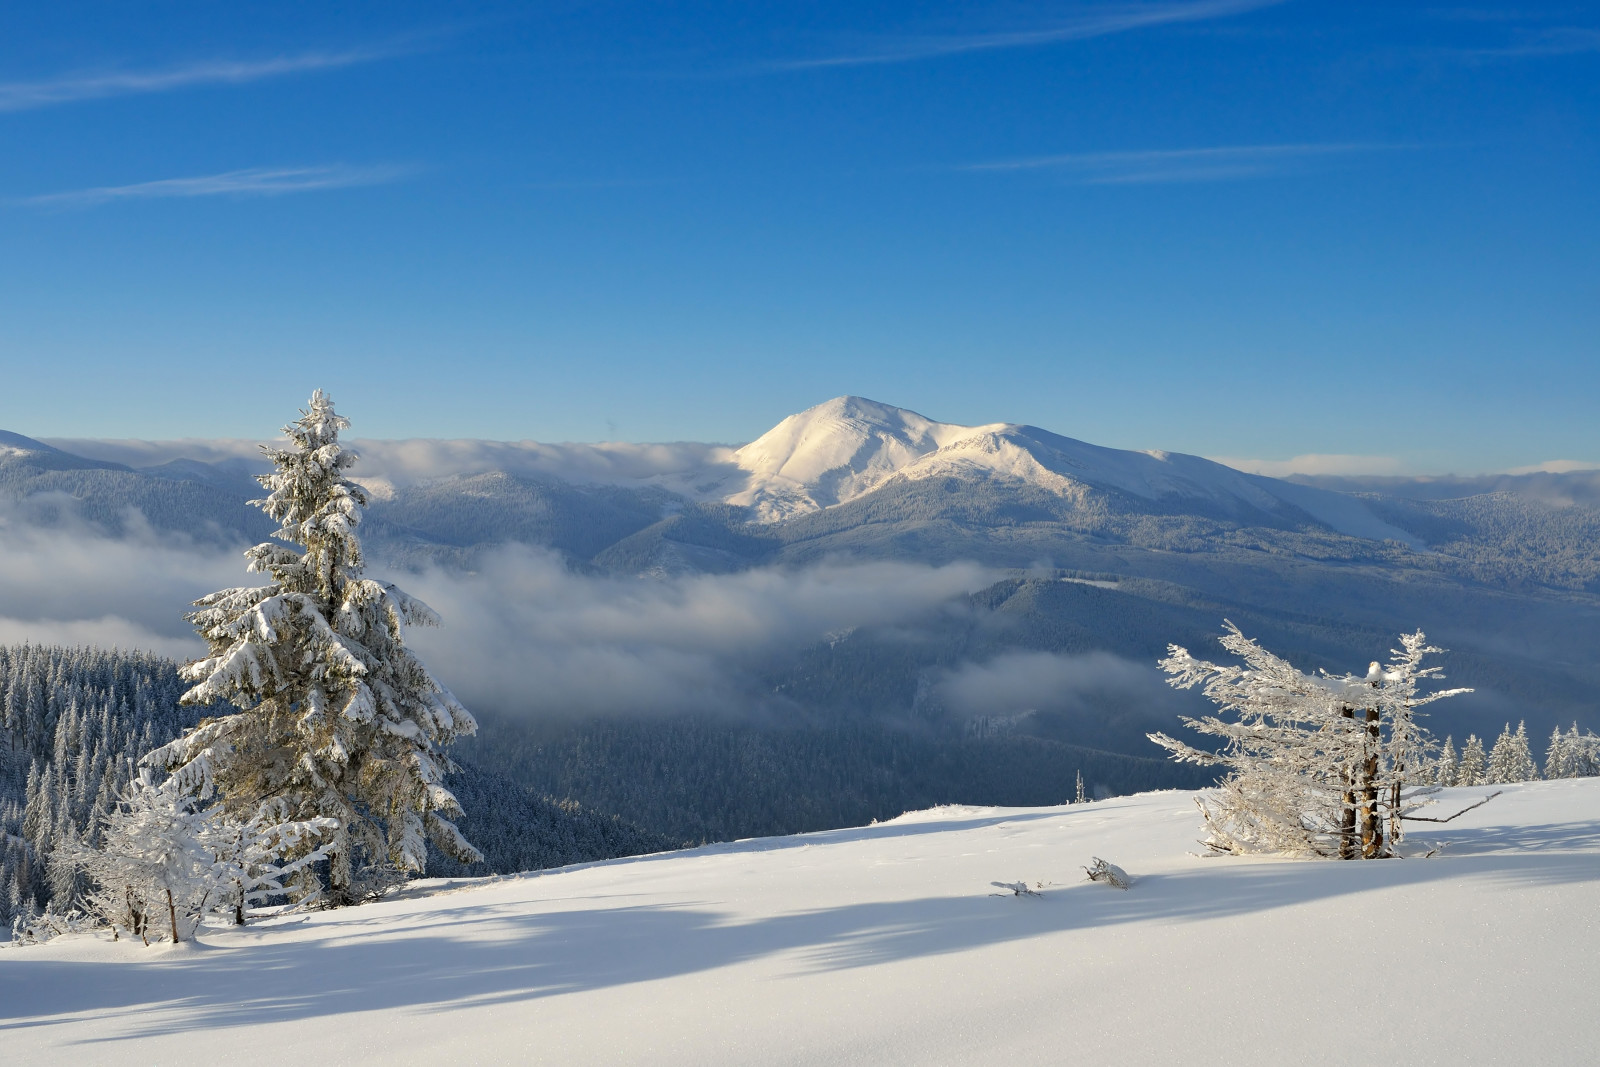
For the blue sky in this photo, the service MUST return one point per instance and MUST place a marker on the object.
(1253, 230)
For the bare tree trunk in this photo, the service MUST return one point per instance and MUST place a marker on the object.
(172, 917)
(339, 894)
(1347, 821)
(140, 922)
(1371, 822)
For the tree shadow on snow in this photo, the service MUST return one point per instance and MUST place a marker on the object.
(1489, 840)
(478, 955)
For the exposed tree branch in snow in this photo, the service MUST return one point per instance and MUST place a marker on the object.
(1463, 811)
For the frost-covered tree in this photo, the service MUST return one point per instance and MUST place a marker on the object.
(164, 863)
(1572, 755)
(1444, 772)
(1510, 760)
(76, 720)
(1583, 754)
(1470, 771)
(158, 869)
(1555, 755)
(1316, 764)
(337, 719)
(249, 854)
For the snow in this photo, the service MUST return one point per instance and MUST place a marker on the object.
(889, 944)
(834, 452)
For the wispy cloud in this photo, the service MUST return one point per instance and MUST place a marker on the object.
(1175, 164)
(256, 181)
(1557, 41)
(1095, 22)
(1557, 466)
(69, 88)
(1315, 463)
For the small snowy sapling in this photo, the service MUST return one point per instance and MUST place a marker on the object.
(1109, 873)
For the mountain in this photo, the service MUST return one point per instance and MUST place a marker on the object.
(833, 453)
(848, 447)
(49, 487)
(1569, 488)
(19, 451)
(1509, 579)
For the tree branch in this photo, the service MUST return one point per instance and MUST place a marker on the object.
(1463, 811)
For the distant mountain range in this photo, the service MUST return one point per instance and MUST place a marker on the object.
(851, 448)
(1503, 570)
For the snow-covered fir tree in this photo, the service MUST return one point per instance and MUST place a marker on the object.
(250, 853)
(338, 719)
(1316, 764)
(1583, 754)
(1511, 760)
(1473, 765)
(1572, 755)
(1444, 768)
(1555, 755)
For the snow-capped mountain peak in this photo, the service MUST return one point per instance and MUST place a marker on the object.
(849, 446)
(834, 452)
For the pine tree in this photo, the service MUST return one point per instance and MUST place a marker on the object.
(1445, 768)
(1555, 755)
(1583, 754)
(1497, 767)
(1080, 798)
(250, 853)
(338, 719)
(1572, 755)
(1510, 760)
(1470, 771)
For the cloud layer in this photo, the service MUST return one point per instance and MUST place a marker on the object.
(1315, 463)
(72, 585)
(525, 634)
(521, 634)
(1014, 682)
(678, 466)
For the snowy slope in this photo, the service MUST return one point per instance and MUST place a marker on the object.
(834, 452)
(884, 945)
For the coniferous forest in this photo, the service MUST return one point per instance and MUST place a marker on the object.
(77, 720)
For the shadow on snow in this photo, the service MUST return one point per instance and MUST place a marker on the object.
(488, 954)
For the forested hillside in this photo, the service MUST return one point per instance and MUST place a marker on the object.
(709, 779)
(76, 721)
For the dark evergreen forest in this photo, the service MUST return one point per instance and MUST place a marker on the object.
(76, 720)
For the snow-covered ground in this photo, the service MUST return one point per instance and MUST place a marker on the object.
(887, 944)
